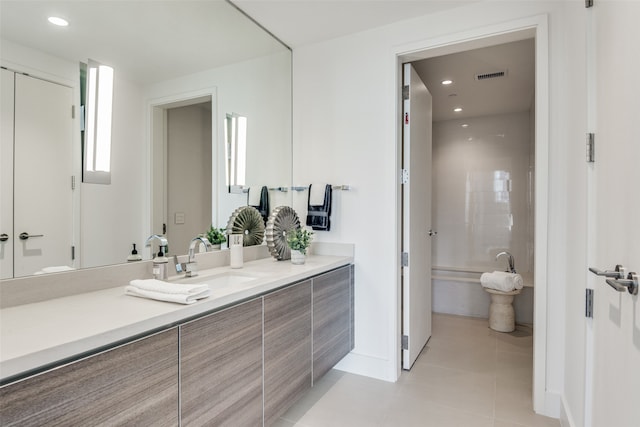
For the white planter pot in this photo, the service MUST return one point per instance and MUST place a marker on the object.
(297, 257)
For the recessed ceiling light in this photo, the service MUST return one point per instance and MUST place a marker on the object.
(465, 125)
(446, 82)
(58, 21)
(457, 109)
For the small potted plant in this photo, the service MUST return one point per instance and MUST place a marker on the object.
(216, 236)
(298, 241)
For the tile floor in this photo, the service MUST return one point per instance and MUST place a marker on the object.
(454, 382)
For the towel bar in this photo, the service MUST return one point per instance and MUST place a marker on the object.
(334, 187)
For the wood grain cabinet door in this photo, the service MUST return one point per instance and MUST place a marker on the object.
(287, 348)
(331, 319)
(132, 385)
(221, 368)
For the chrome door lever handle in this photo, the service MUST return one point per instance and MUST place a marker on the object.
(630, 283)
(4, 237)
(618, 273)
(25, 236)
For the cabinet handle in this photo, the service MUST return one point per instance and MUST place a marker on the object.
(4, 237)
(25, 235)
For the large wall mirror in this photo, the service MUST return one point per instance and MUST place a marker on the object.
(179, 68)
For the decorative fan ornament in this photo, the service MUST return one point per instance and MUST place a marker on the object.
(282, 220)
(246, 220)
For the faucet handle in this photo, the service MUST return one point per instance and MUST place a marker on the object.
(191, 269)
(179, 268)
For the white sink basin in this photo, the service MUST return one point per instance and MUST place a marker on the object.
(229, 278)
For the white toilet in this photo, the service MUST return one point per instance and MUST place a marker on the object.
(502, 317)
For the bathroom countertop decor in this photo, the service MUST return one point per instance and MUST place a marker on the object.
(282, 220)
(248, 221)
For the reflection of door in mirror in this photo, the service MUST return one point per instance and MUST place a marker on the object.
(41, 144)
(187, 194)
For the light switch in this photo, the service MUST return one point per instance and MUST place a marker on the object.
(179, 218)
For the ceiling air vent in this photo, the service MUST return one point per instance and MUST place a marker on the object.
(492, 75)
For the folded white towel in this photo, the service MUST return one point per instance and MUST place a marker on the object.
(501, 281)
(255, 191)
(171, 292)
(317, 194)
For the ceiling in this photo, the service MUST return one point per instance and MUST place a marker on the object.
(157, 40)
(301, 22)
(509, 94)
(150, 40)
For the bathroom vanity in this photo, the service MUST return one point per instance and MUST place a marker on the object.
(238, 358)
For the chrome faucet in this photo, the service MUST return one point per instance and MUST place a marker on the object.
(162, 241)
(160, 261)
(191, 268)
(512, 267)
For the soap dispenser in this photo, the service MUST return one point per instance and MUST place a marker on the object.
(161, 265)
(235, 247)
(134, 255)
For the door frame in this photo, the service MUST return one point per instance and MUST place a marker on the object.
(537, 27)
(157, 140)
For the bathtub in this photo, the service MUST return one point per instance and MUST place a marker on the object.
(458, 291)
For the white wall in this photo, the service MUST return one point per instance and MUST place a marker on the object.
(109, 215)
(345, 96)
(478, 214)
(260, 90)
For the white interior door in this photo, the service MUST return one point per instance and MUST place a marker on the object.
(43, 205)
(6, 175)
(616, 186)
(416, 194)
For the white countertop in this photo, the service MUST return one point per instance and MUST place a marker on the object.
(41, 333)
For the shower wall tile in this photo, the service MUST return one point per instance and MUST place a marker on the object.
(482, 192)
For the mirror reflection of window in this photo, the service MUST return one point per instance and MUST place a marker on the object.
(236, 151)
(97, 119)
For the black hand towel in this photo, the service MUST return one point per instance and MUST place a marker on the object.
(263, 206)
(318, 215)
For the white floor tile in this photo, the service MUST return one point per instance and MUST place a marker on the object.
(467, 376)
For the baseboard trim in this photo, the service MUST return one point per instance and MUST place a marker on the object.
(566, 418)
(552, 404)
(369, 366)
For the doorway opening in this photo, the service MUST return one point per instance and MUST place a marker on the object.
(182, 153)
(494, 171)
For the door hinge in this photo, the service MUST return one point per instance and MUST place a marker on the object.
(405, 259)
(591, 147)
(73, 111)
(73, 182)
(405, 342)
(73, 253)
(588, 3)
(405, 92)
(588, 303)
(404, 176)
